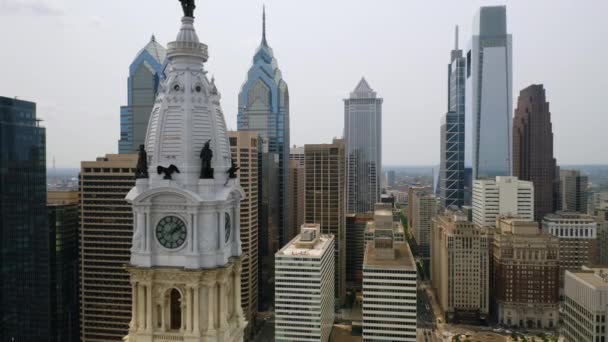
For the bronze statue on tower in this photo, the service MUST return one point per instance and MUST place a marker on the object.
(188, 6)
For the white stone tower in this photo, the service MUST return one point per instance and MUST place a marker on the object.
(186, 255)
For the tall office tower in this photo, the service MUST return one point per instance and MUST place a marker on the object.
(502, 196)
(460, 267)
(533, 147)
(296, 194)
(390, 178)
(325, 189)
(451, 169)
(585, 305)
(488, 95)
(145, 74)
(410, 194)
(355, 247)
(186, 255)
(389, 290)
(601, 217)
(423, 207)
(304, 306)
(597, 201)
(264, 107)
(106, 227)
(573, 188)
(297, 153)
(62, 208)
(24, 231)
(577, 234)
(526, 275)
(244, 150)
(363, 136)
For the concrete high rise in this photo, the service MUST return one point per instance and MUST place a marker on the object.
(244, 149)
(526, 275)
(460, 267)
(577, 234)
(488, 95)
(423, 207)
(573, 189)
(106, 228)
(297, 153)
(325, 194)
(601, 217)
(533, 147)
(186, 253)
(502, 196)
(389, 289)
(451, 168)
(585, 305)
(62, 208)
(25, 280)
(304, 303)
(145, 74)
(264, 107)
(363, 136)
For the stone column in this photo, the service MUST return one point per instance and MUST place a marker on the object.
(236, 279)
(141, 307)
(209, 281)
(149, 307)
(133, 323)
(188, 309)
(223, 309)
(147, 235)
(196, 307)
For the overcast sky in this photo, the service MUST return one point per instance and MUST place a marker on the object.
(72, 58)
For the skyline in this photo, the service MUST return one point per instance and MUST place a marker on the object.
(83, 37)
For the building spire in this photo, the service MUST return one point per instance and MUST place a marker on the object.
(264, 25)
(456, 38)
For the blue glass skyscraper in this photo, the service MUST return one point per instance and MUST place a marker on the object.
(25, 300)
(145, 72)
(264, 108)
(451, 169)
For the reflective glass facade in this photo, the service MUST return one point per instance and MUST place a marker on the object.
(489, 99)
(451, 170)
(264, 108)
(25, 313)
(145, 74)
(363, 136)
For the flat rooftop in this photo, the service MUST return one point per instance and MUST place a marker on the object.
(403, 257)
(291, 249)
(592, 276)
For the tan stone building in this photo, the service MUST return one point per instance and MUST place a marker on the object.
(460, 267)
(244, 149)
(577, 234)
(422, 207)
(325, 171)
(526, 275)
(106, 228)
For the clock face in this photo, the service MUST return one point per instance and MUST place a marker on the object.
(228, 227)
(171, 232)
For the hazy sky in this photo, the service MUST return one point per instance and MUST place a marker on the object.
(72, 58)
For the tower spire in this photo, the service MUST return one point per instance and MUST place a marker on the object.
(264, 25)
(456, 38)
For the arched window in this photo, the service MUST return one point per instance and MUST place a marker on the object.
(175, 310)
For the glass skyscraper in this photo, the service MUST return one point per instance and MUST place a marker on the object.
(145, 73)
(489, 98)
(363, 135)
(264, 108)
(451, 169)
(25, 308)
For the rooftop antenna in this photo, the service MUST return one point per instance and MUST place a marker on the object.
(456, 38)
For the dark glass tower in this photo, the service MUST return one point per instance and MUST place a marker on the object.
(62, 207)
(533, 147)
(451, 170)
(25, 313)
